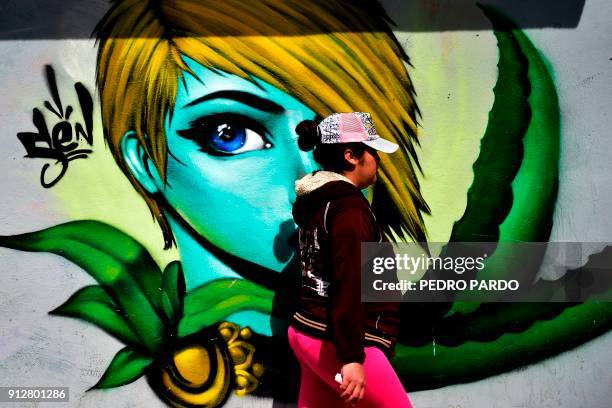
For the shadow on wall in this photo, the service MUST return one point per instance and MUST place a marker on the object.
(58, 19)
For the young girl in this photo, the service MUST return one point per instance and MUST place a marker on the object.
(332, 331)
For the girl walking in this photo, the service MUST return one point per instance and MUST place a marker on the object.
(342, 344)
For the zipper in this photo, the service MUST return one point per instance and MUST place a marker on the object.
(325, 216)
(377, 322)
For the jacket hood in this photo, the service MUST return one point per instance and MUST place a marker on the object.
(314, 191)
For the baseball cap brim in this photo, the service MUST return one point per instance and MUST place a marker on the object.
(381, 144)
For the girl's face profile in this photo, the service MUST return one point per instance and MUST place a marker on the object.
(233, 160)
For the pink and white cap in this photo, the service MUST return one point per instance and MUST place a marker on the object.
(353, 127)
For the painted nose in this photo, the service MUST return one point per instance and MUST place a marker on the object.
(307, 165)
(308, 162)
(292, 195)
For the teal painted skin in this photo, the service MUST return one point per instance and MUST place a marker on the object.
(237, 192)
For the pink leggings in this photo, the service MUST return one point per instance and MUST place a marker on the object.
(317, 358)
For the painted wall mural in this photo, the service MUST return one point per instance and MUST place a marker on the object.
(179, 218)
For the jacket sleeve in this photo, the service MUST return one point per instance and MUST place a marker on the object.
(348, 229)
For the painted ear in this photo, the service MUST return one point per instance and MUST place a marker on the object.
(139, 164)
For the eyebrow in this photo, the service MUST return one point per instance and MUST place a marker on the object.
(246, 98)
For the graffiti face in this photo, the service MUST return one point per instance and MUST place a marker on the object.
(233, 160)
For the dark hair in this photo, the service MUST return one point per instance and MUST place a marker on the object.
(329, 155)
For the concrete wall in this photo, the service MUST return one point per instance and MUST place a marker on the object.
(454, 56)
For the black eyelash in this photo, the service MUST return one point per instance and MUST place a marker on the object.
(198, 126)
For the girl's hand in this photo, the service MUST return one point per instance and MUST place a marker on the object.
(353, 382)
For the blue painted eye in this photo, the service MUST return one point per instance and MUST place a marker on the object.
(228, 138)
(227, 134)
(234, 138)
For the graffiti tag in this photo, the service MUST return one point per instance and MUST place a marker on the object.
(63, 142)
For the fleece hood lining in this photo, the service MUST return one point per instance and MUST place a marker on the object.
(312, 181)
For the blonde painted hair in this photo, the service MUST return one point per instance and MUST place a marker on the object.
(333, 55)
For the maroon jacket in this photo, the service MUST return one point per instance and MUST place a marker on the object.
(334, 218)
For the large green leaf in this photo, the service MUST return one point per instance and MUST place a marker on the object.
(535, 185)
(534, 189)
(489, 321)
(489, 198)
(119, 263)
(434, 365)
(173, 291)
(94, 305)
(127, 366)
(215, 300)
(480, 340)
